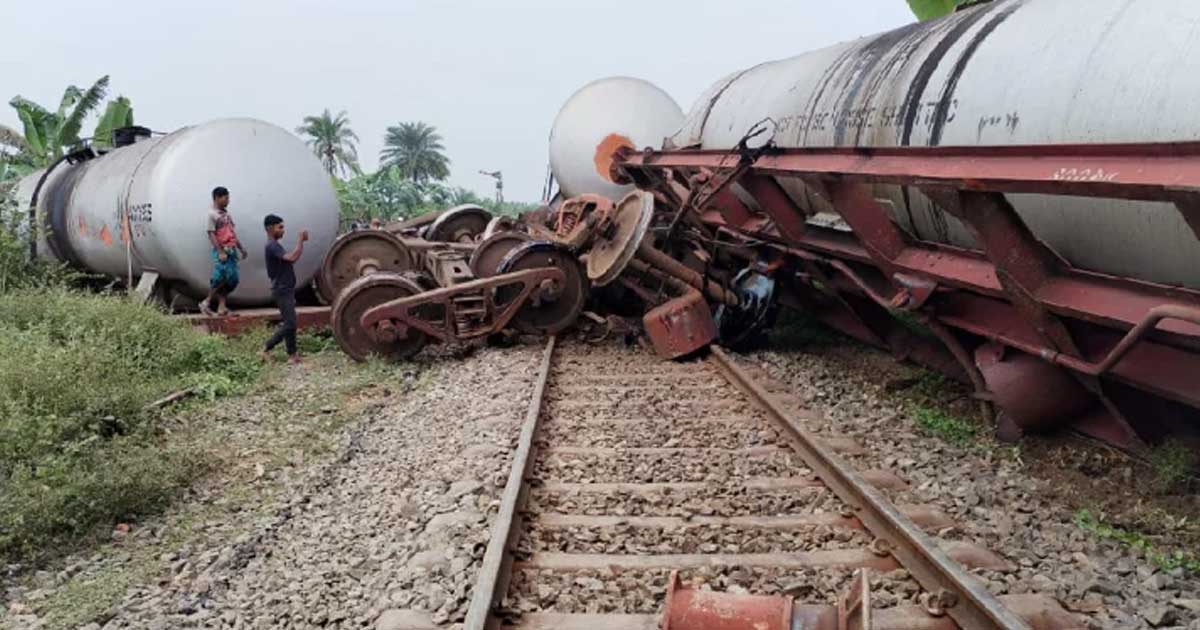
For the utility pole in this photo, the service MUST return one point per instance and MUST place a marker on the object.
(499, 177)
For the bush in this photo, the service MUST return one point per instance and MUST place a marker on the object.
(78, 445)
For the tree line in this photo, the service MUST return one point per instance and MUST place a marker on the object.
(413, 167)
(409, 181)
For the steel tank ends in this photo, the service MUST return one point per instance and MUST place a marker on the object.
(144, 206)
(598, 118)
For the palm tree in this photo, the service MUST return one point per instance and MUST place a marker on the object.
(415, 150)
(333, 141)
(48, 133)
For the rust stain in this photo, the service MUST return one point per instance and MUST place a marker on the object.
(605, 150)
(82, 227)
(106, 235)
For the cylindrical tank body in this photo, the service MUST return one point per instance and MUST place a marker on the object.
(145, 206)
(1007, 72)
(598, 118)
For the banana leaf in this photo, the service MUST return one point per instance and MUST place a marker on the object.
(117, 114)
(929, 9)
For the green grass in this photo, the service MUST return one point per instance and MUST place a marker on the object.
(795, 329)
(79, 450)
(1165, 560)
(954, 430)
(316, 341)
(288, 420)
(1174, 465)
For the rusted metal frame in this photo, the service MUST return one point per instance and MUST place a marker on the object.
(1089, 296)
(708, 185)
(976, 607)
(405, 311)
(1149, 172)
(814, 271)
(964, 269)
(1167, 172)
(773, 199)
(491, 582)
(1150, 366)
(1188, 205)
(987, 411)
(885, 242)
(1024, 266)
(854, 607)
(1095, 298)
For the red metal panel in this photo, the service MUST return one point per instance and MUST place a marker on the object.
(1166, 371)
(1015, 291)
(1130, 171)
(774, 200)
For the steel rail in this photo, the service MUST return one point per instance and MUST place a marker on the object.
(975, 607)
(492, 581)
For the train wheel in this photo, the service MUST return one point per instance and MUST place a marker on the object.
(384, 341)
(551, 309)
(356, 254)
(485, 260)
(460, 224)
(612, 253)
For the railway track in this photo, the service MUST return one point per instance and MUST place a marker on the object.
(636, 482)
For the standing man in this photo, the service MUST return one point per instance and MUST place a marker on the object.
(226, 249)
(283, 285)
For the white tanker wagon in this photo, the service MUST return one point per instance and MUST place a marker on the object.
(1094, 312)
(141, 208)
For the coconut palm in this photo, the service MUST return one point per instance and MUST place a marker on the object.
(48, 133)
(415, 151)
(333, 141)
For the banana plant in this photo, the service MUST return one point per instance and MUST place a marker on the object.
(117, 114)
(929, 9)
(47, 133)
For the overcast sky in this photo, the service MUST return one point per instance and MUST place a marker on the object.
(489, 75)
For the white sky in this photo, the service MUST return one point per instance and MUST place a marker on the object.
(489, 75)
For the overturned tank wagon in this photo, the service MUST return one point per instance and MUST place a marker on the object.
(1013, 202)
(140, 208)
(599, 118)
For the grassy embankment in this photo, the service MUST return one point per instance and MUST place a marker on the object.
(80, 446)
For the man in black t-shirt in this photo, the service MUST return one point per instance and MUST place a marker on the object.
(283, 285)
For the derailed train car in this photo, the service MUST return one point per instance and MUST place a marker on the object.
(140, 209)
(1024, 193)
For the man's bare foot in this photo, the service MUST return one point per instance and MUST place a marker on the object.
(265, 356)
(206, 309)
(295, 359)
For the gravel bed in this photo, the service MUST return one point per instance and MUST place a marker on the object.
(398, 520)
(718, 466)
(627, 540)
(994, 502)
(643, 592)
(655, 432)
(717, 501)
(664, 405)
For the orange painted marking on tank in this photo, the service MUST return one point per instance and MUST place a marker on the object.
(106, 235)
(82, 227)
(605, 151)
